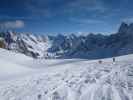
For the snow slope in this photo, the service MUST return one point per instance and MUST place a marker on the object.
(13, 56)
(12, 64)
(72, 79)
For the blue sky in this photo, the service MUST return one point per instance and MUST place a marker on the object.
(64, 16)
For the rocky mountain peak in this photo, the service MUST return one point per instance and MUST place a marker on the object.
(126, 28)
(123, 28)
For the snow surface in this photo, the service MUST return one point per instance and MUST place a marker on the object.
(65, 79)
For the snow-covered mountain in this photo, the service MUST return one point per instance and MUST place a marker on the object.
(92, 46)
(28, 44)
(95, 46)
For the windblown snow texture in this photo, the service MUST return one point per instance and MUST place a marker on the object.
(24, 78)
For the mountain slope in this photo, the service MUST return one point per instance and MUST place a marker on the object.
(74, 79)
(13, 64)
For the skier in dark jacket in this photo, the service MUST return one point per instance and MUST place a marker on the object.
(113, 59)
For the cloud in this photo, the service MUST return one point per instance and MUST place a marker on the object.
(52, 8)
(87, 5)
(86, 21)
(12, 24)
(91, 21)
(128, 20)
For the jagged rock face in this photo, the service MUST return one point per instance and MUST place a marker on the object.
(28, 44)
(2, 43)
(126, 29)
(123, 28)
(130, 29)
(32, 45)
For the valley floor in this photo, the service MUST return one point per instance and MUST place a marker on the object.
(24, 78)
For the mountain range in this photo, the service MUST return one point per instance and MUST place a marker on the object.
(91, 46)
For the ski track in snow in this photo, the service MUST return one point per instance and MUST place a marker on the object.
(72, 80)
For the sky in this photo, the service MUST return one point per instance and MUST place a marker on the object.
(64, 16)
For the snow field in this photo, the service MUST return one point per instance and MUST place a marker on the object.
(72, 79)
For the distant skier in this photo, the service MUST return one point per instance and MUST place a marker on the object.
(113, 59)
(100, 61)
